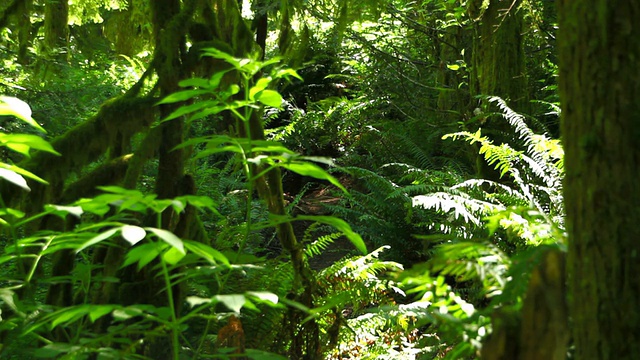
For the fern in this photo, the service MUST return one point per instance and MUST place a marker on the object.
(491, 232)
(316, 247)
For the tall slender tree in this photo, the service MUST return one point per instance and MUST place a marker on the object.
(599, 55)
(56, 28)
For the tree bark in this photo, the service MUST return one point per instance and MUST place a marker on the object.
(498, 52)
(599, 55)
(56, 29)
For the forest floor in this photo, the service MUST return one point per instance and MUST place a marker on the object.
(314, 203)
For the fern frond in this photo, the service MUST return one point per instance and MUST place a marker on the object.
(469, 209)
(320, 244)
(470, 260)
(498, 188)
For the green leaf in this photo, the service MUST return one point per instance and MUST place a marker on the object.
(53, 350)
(206, 112)
(98, 311)
(69, 315)
(14, 178)
(313, 170)
(284, 73)
(173, 256)
(216, 78)
(143, 254)
(23, 172)
(199, 202)
(215, 53)
(206, 252)
(454, 67)
(182, 96)
(341, 225)
(194, 82)
(18, 108)
(133, 234)
(96, 239)
(13, 212)
(187, 109)
(234, 302)
(264, 296)
(169, 238)
(270, 98)
(258, 87)
(194, 301)
(18, 142)
(62, 211)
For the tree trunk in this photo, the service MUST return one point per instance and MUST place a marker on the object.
(498, 52)
(599, 55)
(24, 31)
(56, 30)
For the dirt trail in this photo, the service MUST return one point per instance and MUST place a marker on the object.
(314, 204)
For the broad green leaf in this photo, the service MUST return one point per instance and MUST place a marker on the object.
(270, 98)
(54, 350)
(188, 109)
(234, 302)
(96, 239)
(206, 112)
(276, 148)
(23, 172)
(18, 141)
(200, 202)
(98, 311)
(250, 66)
(21, 149)
(209, 152)
(194, 301)
(215, 53)
(264, 296)
(14, 178)
(319, 159)
(173, 256)
(13, 212)
(62, 211)
(18, 108)
(182, 96)
(195, 82)
(94, 207)
(69, 315)
(169, 238)
(206, 252)
(454, 67)
(133, 234)
(216, 78)
(258, 87)
(143, 254)
(284, 73)
(120, 190)
(313, 170)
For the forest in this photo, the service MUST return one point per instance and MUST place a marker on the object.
(319, 179)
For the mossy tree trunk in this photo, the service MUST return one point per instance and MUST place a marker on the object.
(498, 53)
(498, 68)
(56, 29)
(24, 31)
(599, 55)
(453, 99)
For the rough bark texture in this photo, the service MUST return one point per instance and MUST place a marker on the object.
(498, 52)
(24, 30)
(540, 329)
(56, 30)
(599, 89)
